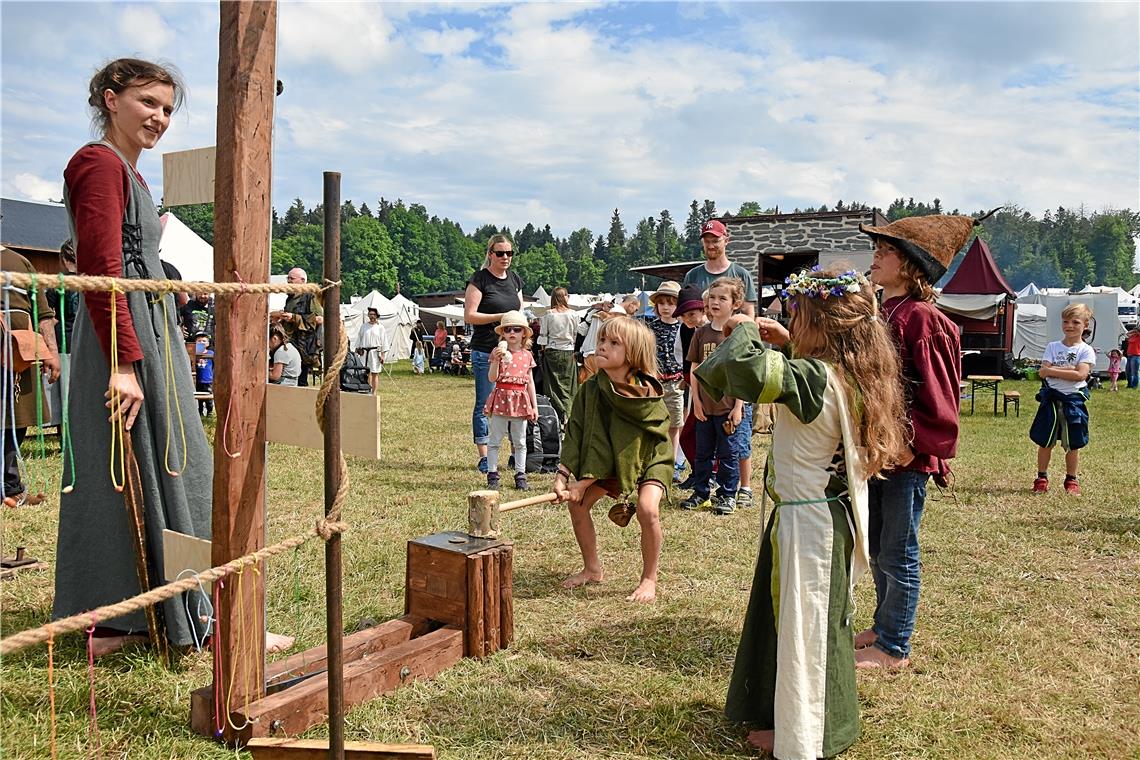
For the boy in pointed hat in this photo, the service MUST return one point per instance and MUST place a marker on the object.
(910, 256)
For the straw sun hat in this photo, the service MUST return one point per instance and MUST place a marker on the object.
(514, 319)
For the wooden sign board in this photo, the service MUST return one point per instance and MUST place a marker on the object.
(181, 552)
(188, 176)
(291, 417)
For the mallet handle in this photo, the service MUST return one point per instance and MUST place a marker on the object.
(530, 501)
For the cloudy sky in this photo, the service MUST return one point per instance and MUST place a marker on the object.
(558, 113)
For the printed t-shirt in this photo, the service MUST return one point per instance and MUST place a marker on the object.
(1060, 355)
(667, 336)
(703, 278)
(705, 340)
(499, 296)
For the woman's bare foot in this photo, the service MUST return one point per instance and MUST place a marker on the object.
(104, 645)
(582, 578)
(873, 657)
(275, 642)
(646, 591)
(765, 741)
(866, 638)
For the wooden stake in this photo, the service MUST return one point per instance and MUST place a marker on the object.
(506, 595)
(473, 630)
(247, 46)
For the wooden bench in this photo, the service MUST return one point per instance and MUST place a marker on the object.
(1006, 398)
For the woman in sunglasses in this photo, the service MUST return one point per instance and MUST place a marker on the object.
(491, 292)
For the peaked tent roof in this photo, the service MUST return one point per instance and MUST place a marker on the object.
(978, 274)
(182, 247)
(1028, 290)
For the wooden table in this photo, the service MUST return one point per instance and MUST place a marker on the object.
(985, 383)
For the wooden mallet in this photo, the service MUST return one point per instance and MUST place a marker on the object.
(483, 509)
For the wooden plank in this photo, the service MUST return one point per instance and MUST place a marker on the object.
(188, 176)
(436, 585)
(473, 629)
(247, 47)
(356, 646)
(291, 418)
(181, 552)
(300, 749)
(490, 601)
(506, 595)
(292, 711)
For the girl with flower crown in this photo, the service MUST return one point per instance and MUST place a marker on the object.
(839, 405)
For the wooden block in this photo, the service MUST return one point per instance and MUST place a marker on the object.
(188, 176)
(299, 749)
(506, 596)
(473, 630)
(181, 552)
(356, 646)
(490, 601)
(291, 418)
(437, 585)
(294, 710)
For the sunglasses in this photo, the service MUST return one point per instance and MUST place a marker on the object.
(501, 254)
(514, 329)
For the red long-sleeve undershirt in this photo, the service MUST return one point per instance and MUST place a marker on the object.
(98, 187)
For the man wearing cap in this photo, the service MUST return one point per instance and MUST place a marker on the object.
(714, 241)
(910, 256)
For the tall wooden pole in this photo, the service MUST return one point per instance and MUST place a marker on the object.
(247, 46)
(334, 613)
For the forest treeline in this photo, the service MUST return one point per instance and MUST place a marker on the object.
(402, 247)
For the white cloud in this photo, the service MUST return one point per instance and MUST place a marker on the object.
(33, 188)
(351, 36)
(146, 30)
(445, 41)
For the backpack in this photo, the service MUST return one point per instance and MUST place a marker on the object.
(354, 375)
(544, 439)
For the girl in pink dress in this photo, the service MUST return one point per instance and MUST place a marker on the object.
(1115, 360)
(514, 399)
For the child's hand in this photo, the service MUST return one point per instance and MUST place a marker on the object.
(560, 489)
(578, 490)
(496, 354)
(698, 412)
(772, 331)
(735, 321)
(736, 415)
(532, 415)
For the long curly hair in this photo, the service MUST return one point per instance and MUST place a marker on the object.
(848, 332)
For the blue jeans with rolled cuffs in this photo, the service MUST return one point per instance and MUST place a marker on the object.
(480, 365)
(896, 505)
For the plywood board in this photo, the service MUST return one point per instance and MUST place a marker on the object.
(188, 176)
(297, 749)
(291, 417)
(181, 552)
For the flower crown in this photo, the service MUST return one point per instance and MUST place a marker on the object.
(812, 285)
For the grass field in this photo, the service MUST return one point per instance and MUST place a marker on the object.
(1027, 646)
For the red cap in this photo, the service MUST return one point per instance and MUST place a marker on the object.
(713, 227)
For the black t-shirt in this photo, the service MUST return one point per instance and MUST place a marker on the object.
(498, 296)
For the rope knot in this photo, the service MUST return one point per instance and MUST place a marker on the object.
(326, 528)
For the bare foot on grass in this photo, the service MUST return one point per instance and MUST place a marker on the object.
(646, 591)
(866, 638)
(582, 578)
(873, 657)
(104, 645)
(275, 642)
(765, 741)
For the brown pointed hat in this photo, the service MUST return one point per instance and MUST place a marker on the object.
(931, 242)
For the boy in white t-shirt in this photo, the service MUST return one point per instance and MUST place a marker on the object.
(1062, 415)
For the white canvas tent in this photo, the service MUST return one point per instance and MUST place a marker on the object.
(181, 246)
(1028, 290)
(397, 322)
(452, 313)
(1030, 331)
(1029, 340)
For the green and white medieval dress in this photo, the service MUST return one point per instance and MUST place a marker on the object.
(795, 666)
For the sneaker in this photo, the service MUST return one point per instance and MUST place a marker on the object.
(1041, 485)
(723, 505)
(520, 481)
(744, 498)
(694, 503)
(1072, 486)
(493, 480)
(678, 472)
(688, 483)
(482, 466)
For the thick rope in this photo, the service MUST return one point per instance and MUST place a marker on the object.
(325, 528)
(124, 285)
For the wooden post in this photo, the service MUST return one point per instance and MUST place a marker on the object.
(333, 611)
(247, 45)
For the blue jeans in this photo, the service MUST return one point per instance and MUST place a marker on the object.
(896, 506)
(480, 365)
(1133, 370)
(712, 441)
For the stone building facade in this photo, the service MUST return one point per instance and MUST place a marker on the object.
(831, 236)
